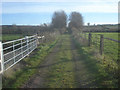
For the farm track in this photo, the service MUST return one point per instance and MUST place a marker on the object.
(38, 80)
(83, 78)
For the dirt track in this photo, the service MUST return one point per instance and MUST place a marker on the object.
(38, 80)
(83, 78)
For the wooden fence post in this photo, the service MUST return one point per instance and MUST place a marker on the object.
(89, 39)
(101, 44)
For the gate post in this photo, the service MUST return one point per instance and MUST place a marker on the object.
(27, 44)
(37, 42)
(1, 57)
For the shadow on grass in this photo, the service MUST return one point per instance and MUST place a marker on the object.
(9, 82)
(63, 60)
(91, 65)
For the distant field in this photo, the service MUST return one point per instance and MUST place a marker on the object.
(110, 47)
(110, 35)
(7, 37)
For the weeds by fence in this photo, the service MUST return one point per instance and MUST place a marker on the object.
(106, 46)
(12, 52)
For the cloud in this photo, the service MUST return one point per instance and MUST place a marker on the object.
(60, 0)
(98, 8)
(67, 7)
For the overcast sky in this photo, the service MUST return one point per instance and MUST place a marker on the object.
(35, 12)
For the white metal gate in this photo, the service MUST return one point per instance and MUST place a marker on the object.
(12, 52)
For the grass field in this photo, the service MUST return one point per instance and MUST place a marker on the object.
(7, 37)
(110, 47)
(110, 56)
(104, 69)
(109, 35)
(108, 60)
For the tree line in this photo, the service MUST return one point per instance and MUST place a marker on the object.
(60, 21)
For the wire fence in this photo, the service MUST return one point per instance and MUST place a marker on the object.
(105, 45)
(12, 52)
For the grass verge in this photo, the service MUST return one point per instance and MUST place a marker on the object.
(23, 74)
(62, 73)
(104, 70)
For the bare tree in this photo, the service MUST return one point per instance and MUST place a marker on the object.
(76, 20)
(59, 19)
